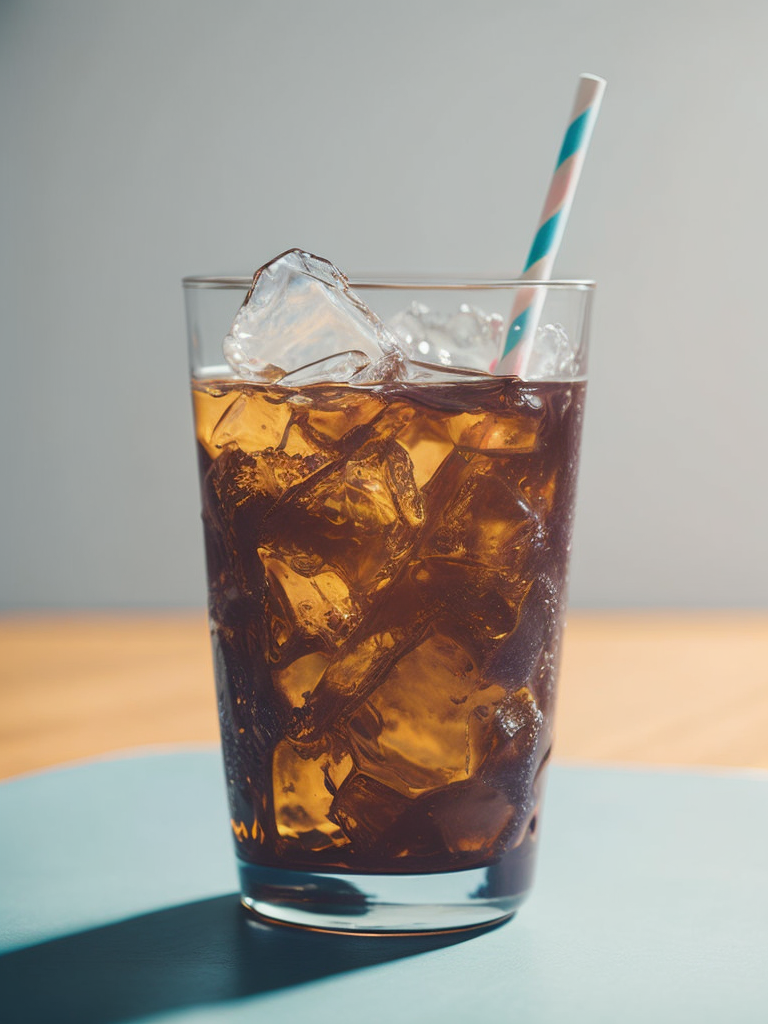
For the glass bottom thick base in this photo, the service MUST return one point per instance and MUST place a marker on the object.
(382, 904)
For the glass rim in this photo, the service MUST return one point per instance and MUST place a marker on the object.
(433, 282)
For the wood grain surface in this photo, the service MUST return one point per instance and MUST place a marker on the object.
(642, 688)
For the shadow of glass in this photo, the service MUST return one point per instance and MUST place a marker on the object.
(191, 955)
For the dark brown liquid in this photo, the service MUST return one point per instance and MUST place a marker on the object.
(387, 576)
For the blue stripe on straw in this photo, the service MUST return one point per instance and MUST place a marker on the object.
(542, 243)
(516, 331)
(574, 136)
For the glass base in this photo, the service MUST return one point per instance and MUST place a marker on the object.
(382, 904)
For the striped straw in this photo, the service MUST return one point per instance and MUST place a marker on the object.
(526, 309)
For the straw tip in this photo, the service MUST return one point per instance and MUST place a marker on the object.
(593, 78)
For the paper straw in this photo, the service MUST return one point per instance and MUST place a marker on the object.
(526, 309)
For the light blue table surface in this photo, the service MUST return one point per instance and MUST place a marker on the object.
(117, 903)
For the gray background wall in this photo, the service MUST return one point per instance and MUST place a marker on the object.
(146, 139)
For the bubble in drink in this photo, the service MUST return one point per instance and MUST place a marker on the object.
(386, 568)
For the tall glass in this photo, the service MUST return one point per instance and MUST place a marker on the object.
(387, 570)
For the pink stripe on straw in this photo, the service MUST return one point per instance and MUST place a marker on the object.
(558, 190)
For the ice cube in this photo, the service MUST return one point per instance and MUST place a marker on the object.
(300, 310)
(412, 734)
(552, 355)
(471, 816)
(302, 800)
(487, 520)
(467, 338)
(368, 812)
(338, 368)
(312, 605)
(359, 518)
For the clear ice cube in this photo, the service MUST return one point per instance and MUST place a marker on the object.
(552, 355)
(467, 338)
(300, 310)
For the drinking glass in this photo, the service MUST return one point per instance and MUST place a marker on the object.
(387, 568)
